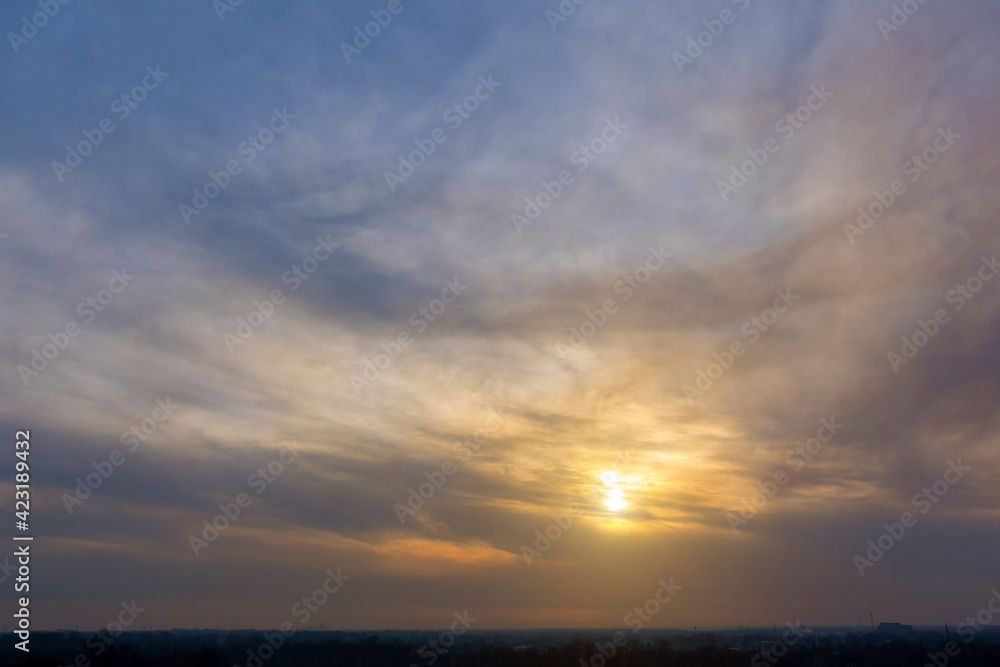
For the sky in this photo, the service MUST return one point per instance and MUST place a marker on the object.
(506, 308)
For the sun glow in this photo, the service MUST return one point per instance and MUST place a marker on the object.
(616, 499)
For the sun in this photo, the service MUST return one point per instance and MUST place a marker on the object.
(615, 484)
(615, 501)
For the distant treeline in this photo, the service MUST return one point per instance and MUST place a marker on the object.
(261, 649)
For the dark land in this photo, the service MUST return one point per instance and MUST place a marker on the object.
(757, 647)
